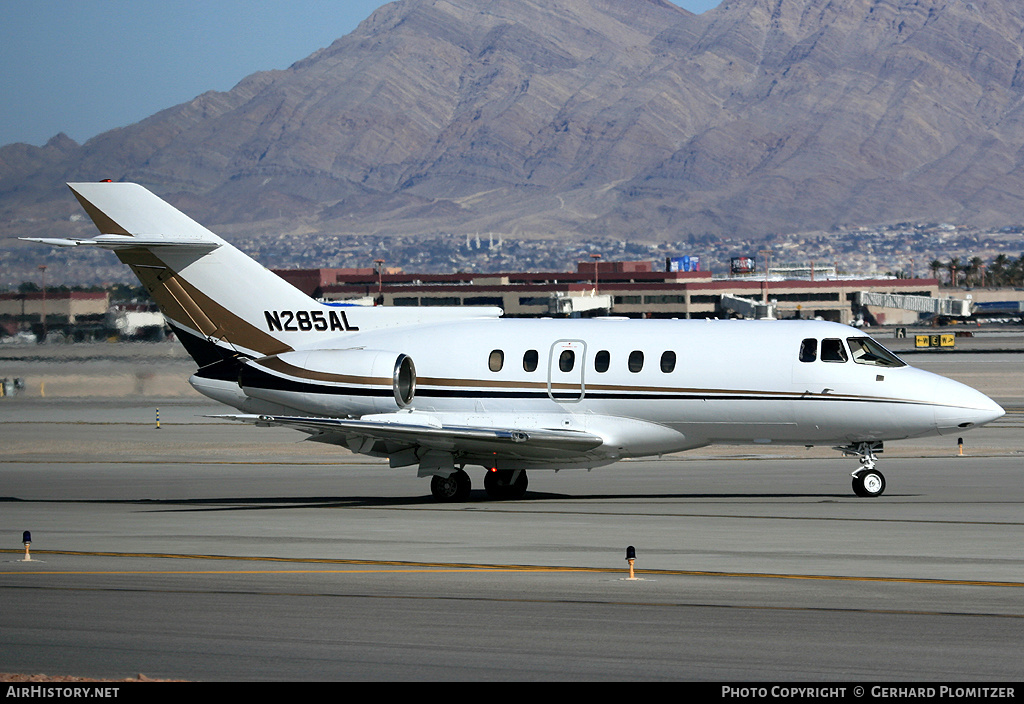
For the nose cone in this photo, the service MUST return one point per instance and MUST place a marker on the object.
(962, 408)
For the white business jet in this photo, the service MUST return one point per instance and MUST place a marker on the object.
(446, 388)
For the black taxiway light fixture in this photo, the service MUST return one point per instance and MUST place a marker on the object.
(631, 558)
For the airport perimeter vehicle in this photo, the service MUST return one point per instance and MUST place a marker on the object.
(446, 388)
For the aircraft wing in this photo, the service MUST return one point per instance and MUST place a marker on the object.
(401, 440)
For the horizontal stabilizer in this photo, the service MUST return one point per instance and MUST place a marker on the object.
(129, 209)
(127, 242)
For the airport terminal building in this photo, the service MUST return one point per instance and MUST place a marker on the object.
(630, 289)
(626, 289)
(55, 308)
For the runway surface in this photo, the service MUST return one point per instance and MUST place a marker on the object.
(211, 551)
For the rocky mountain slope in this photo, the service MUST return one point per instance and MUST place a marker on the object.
(630, 119)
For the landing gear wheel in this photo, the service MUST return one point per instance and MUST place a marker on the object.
(868, 483)
(506, 483)
(454, 487)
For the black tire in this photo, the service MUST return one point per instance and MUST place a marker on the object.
(868, 483)
(450, 489)
(499, 484)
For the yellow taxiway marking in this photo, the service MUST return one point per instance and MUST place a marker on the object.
(115, 572)
(393, 566)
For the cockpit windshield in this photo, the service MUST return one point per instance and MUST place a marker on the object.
(866, 351)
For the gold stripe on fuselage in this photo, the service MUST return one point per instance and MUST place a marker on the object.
(440, 383)
(279, 365)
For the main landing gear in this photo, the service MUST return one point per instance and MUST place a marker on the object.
(499, 484)
(506, 483)
(454, 487)
(868, 482)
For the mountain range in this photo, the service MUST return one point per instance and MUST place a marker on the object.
(626, 119)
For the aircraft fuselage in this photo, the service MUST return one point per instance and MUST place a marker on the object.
(646, 387)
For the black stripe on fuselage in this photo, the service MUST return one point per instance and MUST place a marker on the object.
(204, 352)
(251, 377)
(214, 361)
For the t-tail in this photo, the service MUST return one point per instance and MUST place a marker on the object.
(223, 304)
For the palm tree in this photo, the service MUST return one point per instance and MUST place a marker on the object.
(1016, 277)
(999, 269)
(954, 264)
(974, 270)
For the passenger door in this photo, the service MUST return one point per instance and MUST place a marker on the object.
(566, 364)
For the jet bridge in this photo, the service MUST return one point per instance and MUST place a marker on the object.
(747, 307)
(953, 307)
(561, 304)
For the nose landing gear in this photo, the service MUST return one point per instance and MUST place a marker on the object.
(868, 482)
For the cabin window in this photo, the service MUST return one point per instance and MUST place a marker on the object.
(668, 361)
(636, 361)
(530, 361)
(864, 350)
(832, 350)
(567, 360)
(809, 350)
(496, 361)
(601, 361)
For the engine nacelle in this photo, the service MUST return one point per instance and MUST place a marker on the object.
(332, 382)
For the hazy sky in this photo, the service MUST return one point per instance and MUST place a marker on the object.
(86, 67)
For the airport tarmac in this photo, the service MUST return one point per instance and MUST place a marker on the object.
(210, 551)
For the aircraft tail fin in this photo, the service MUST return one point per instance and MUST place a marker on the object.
(212, 294)
(222, 303)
